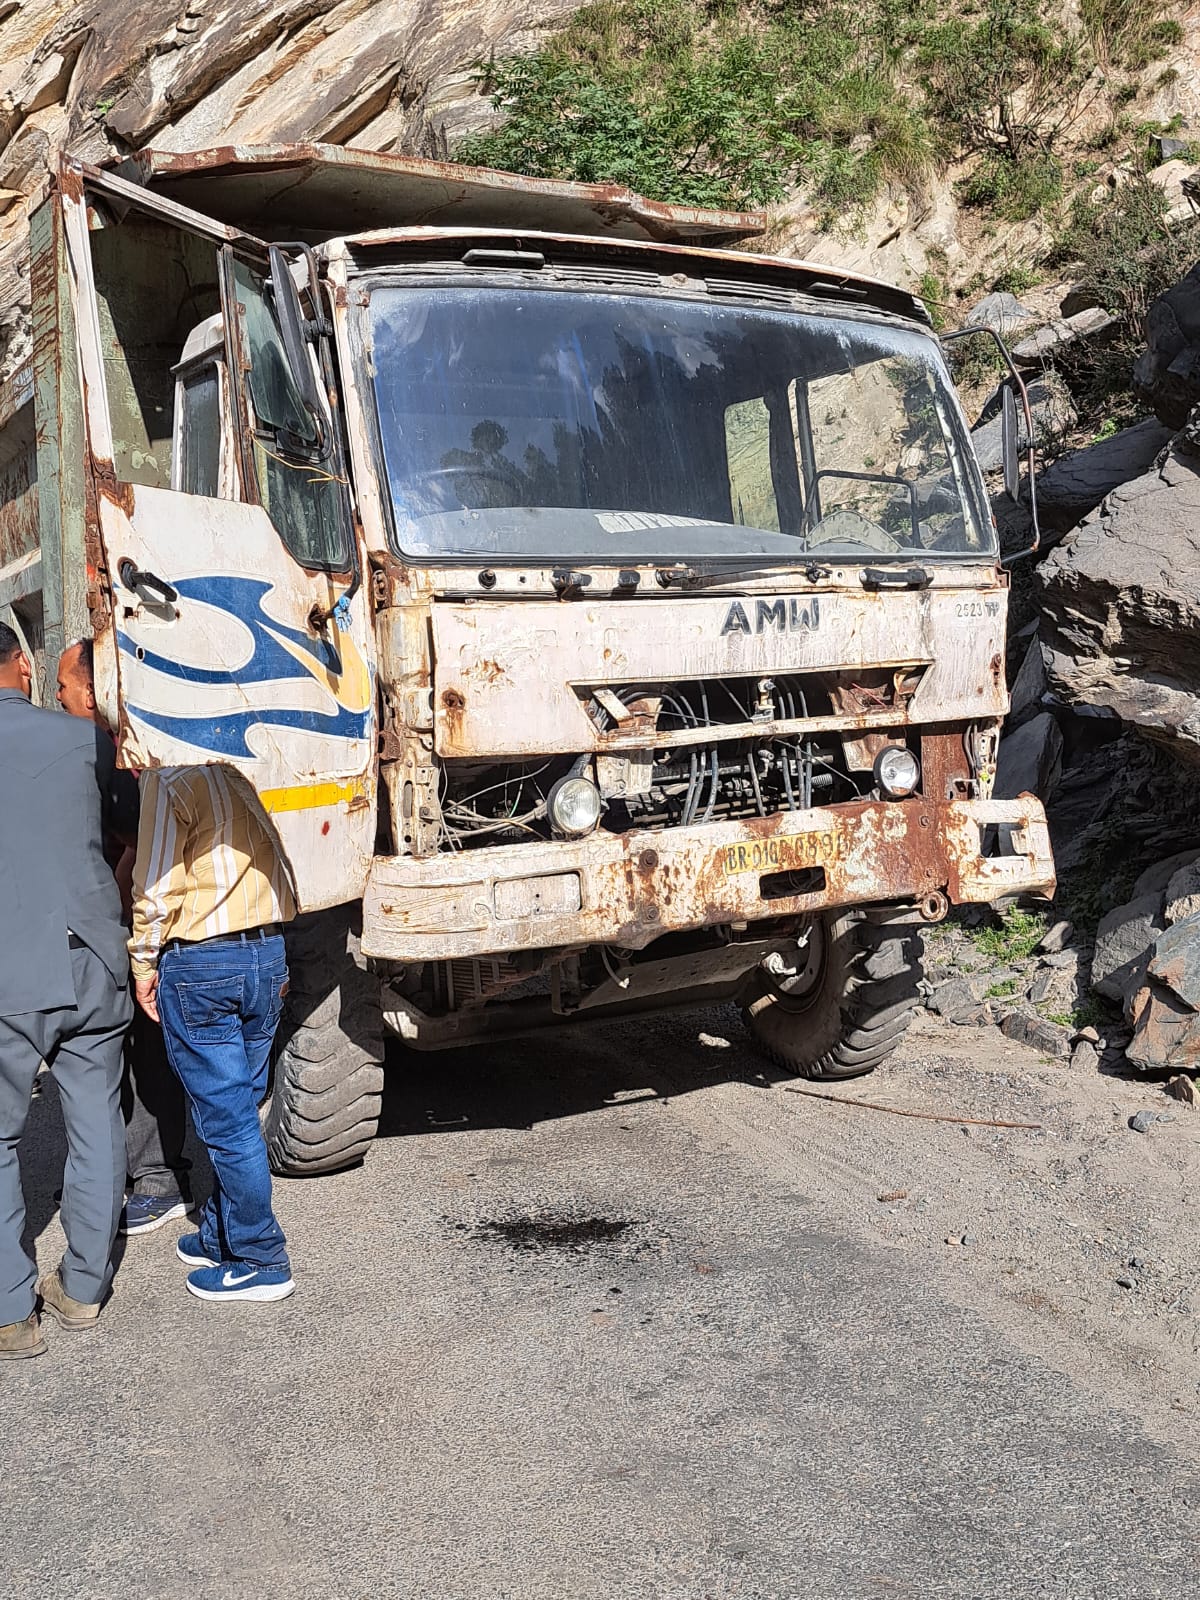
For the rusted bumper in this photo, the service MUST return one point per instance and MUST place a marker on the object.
(630, 889)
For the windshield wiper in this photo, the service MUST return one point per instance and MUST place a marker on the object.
(690, 578)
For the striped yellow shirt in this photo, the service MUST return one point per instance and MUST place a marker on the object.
(205, 863)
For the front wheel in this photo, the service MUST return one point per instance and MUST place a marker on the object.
(841, 1002)
(327, 1086)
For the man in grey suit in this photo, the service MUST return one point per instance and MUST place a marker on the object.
(64, 998)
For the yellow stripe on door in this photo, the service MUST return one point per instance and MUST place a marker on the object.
(311, 796)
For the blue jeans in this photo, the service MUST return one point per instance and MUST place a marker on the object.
(220, 1001)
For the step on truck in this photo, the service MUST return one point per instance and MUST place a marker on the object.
(605, 617)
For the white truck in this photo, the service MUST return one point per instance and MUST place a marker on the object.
(605, 621)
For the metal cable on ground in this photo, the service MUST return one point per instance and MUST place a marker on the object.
(899, 1111)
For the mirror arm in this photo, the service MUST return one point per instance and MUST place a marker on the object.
(1030, 461)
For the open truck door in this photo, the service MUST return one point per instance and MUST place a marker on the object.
(225, 564)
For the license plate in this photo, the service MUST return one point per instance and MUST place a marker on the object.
(787, 853)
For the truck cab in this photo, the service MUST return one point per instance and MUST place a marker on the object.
(604, 618)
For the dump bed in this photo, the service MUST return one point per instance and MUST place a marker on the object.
(323, 191)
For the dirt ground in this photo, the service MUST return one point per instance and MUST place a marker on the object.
(1076, 1236)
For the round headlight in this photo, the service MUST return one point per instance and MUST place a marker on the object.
(574, 806)
(897, 771)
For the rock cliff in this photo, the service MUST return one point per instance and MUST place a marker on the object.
(100, 80)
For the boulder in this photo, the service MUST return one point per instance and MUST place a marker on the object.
(1166, 1032)
(1164, 148)
(1175, 961)
(1028, 686)
(956, 998)
(1165, 1010)
(1076, 484)
(1167, 374)
(1154, 880)
(1124, 941)
(1052, 338)
(1030, 760)
(1001, 311)
(1051, 1038)
(1121, 604)
(1183, 894)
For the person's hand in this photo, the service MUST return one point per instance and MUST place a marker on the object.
(146, 990)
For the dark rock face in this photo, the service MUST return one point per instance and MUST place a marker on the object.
(1167, 375)
(1121, 602)
(1076, 484)
(1030, 760)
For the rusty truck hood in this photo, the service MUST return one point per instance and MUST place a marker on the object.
(531, 677)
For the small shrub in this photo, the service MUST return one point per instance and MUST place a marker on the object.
(1015, 189)
(930, 289)
(1131, 256)
(1015, 938)
(1016, 279)
(1129, 33)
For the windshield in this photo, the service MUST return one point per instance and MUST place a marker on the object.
(536, 423)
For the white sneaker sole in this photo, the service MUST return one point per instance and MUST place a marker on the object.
(195, 1261)
(180, 1210)
(261, 1292)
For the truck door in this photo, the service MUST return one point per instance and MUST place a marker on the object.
(230, 619)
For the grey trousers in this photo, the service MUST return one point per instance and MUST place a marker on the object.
(155, 1114)
(82, 1048)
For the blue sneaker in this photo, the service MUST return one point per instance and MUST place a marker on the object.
(144, 1213)
(189, 1251)
(240, 1280)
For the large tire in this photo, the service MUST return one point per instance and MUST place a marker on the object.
(849, 1007)
(327, 1087)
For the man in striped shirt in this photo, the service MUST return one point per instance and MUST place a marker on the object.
(211, 895)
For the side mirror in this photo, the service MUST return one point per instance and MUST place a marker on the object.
(295, 334)
(1011, 444)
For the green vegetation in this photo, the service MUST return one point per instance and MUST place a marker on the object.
(1128, 33)
(932, 291)
(1001, 990)
(707, 102)
(1014, 936)
(1126, 256)
(1090, 1013)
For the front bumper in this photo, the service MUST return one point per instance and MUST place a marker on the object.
(629, 889)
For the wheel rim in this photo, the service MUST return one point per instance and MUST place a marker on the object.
(796, 991)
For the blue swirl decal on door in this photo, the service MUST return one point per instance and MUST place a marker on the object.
(281, 655)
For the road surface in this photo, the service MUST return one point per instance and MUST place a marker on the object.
(617, 1316)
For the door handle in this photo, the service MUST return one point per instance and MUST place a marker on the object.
(895, 578)
(134, 578)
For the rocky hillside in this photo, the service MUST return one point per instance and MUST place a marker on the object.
(100, 79)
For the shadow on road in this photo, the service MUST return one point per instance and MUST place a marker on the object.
(565, 1073)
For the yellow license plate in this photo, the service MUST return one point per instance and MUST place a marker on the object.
(787, 853)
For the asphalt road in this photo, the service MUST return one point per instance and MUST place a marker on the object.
(582, 1327)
